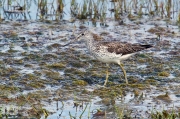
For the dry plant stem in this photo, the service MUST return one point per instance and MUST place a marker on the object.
(83, 111)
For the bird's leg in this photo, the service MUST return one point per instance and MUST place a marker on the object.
(124, 72)
(107, 74)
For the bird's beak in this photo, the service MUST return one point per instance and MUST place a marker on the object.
(77, 38)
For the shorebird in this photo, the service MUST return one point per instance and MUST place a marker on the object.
(110, 52)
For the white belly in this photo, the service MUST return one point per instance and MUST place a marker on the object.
(107, 57)
(113, 58)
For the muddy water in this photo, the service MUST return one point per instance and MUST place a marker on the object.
(29, 64)
(42, 79)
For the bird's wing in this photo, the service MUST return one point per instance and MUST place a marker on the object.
(123, 48)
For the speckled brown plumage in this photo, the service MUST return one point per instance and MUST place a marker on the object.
(124, 48)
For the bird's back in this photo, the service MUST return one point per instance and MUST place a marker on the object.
(115, 51)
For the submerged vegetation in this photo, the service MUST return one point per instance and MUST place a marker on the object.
(42, 78)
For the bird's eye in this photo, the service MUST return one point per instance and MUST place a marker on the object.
(82, 34)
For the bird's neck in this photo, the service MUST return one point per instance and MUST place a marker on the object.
(89, 43)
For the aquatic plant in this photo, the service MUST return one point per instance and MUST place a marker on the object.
(79, 83)
(178, 19)
(59, 66)
(164, 74)
(60, 6)
(52, 74)
(93, 9)
(168, 8)
(165, 114)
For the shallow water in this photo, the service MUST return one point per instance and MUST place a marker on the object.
(30, 48)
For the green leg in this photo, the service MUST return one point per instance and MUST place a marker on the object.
(124, 72)
(107, 75)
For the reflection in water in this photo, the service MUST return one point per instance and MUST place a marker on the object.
(28, 9)
(93, 10)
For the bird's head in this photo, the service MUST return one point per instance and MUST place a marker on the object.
(85, 35)
(88, 35)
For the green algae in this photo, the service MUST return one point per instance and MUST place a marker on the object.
(11, 88)
(79, 83)
(111, 92)
(12, 51)
(59, 66)
(52, 75)
(77, 64)
(163, 74)
(31, 77)
(6, 71)
(49, 56)
(15, 76)
(151, 81)
(20, 61)
(34, 56)
(74, 72)
(136, 92)
(36, 85)
(106, 101)
(165, 114)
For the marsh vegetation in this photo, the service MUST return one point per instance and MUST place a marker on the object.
(41, 79)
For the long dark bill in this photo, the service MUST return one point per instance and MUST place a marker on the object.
(73, 40)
